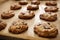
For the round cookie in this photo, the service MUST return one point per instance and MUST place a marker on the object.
(7, 15)
(51, 9)
(36, 2)
(18, 27)
(23, 2)
(15, 7)
(2, 25)
(28, 15)
(48, 16)
(32, 7)
(46, 30)
(51, 3)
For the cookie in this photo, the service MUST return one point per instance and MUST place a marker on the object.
(49, 16)
(47, 30)
(2, 25)
(32, 7)
(51, 9)
(28, 15)
(35, 2)
(23, 2)
(7, 15)
(18, 27)
(51, 3)
(15, 7)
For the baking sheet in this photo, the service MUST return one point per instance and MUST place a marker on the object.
(29, 34)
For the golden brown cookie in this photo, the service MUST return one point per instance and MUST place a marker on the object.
(28, 15)
(51, 3)
(18, 27)
(32, 7)
(7, 15)
(51, 9)
(36, 2)
(2, 25)
(15, 7)
(23, 2)
(46, 30)
(49, 16)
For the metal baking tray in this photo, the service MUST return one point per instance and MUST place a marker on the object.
(29, 34)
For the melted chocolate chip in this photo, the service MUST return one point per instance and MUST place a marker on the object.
(22, 13)
(24, 23)
(49, 23)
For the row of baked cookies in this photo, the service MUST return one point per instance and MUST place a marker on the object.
(41, 29)
(37, 2)
(18, 6)
(22, 15)
(33, 6)
(29, 15)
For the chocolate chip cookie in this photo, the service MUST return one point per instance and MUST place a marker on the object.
(32, 7)
(2, 25)
(46, 30)
(49, 16)
(35, 2)
(23, 2)
(51, 3)
(51, 9)
(7, 15)
(28, 15)
(18, 27)
(15, 7)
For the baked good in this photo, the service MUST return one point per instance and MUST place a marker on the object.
(28, 15)
(49, 16)
(51, 3)
(36, 2)
(23, 2)
(15, 7)
(7, 15)
(51, 9)
(2, 25)
(18, 27)
(47, 30)
(32, 7)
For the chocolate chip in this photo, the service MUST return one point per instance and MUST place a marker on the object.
(22, 13)
(49, 23)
